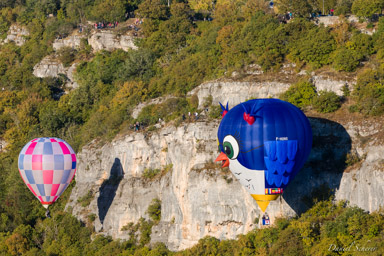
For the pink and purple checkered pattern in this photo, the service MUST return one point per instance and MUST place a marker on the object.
(47, 166)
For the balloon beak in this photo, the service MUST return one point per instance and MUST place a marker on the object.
(223, 157)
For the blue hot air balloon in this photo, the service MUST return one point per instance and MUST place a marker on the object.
(265, 142)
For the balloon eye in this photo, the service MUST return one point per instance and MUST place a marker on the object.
(231, 147)
(228, 149)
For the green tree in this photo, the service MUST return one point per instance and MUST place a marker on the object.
(315, 48)
(109, 10)
(139, 65)
(226, 13)
(299, 8)
(251, 7)
(326, 102)
(206, 246)
(172, 33)
(154, 210)
(289, 242)
(369, 92)
(323, 5)
(4, 26)
(6, 3)
(366, 8)
(343, 7)
(153, 11)
(77, 10)
(346, 60)
(361, 43)
(203, 6)
(300, 94)
(52, 119)
(66, 55)
(45, 6)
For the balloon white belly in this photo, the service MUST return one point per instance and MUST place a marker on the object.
(252, 180)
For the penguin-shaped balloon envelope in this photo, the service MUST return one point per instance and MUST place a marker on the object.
(264, 142)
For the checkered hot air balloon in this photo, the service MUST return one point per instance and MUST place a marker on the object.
(264, 142)
(47, 166)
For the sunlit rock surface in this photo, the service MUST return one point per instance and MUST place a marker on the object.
(108, 40)
(198, 199)
(17, 34)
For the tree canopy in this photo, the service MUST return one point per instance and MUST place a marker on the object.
(184, 44)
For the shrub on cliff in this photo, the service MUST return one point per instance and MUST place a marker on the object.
(345, 60)
(326, 102)
(368, 92)
(300, 94)
(154, 210)
(314, 48)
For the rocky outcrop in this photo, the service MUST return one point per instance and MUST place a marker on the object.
(17, 34)
(71, 82)
(332, 20)
(3, 145)
(327, 20)
(236, 92)
(73, 41)
(323, 83)
(195, 200)
(49, 67)
(198, 198)
(107, 40)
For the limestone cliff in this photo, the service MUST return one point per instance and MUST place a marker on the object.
(51, 67)
(235, 92)
(72, 41)
(99, 40)
(196, 200)
(17, 34)
(107, 40)
(197, 197)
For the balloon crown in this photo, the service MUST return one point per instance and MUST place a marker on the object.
(250, 117)
(225, 109)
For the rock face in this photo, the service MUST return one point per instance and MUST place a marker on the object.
(49, 67)
(71, 83)
(363, 185)
(17, 34)
(328, 20)
(73, 41)
(99, 40)
(236, 92)
(107, 40)
(3, 145)
(328, 84)
(332, 20)
(197, 198)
